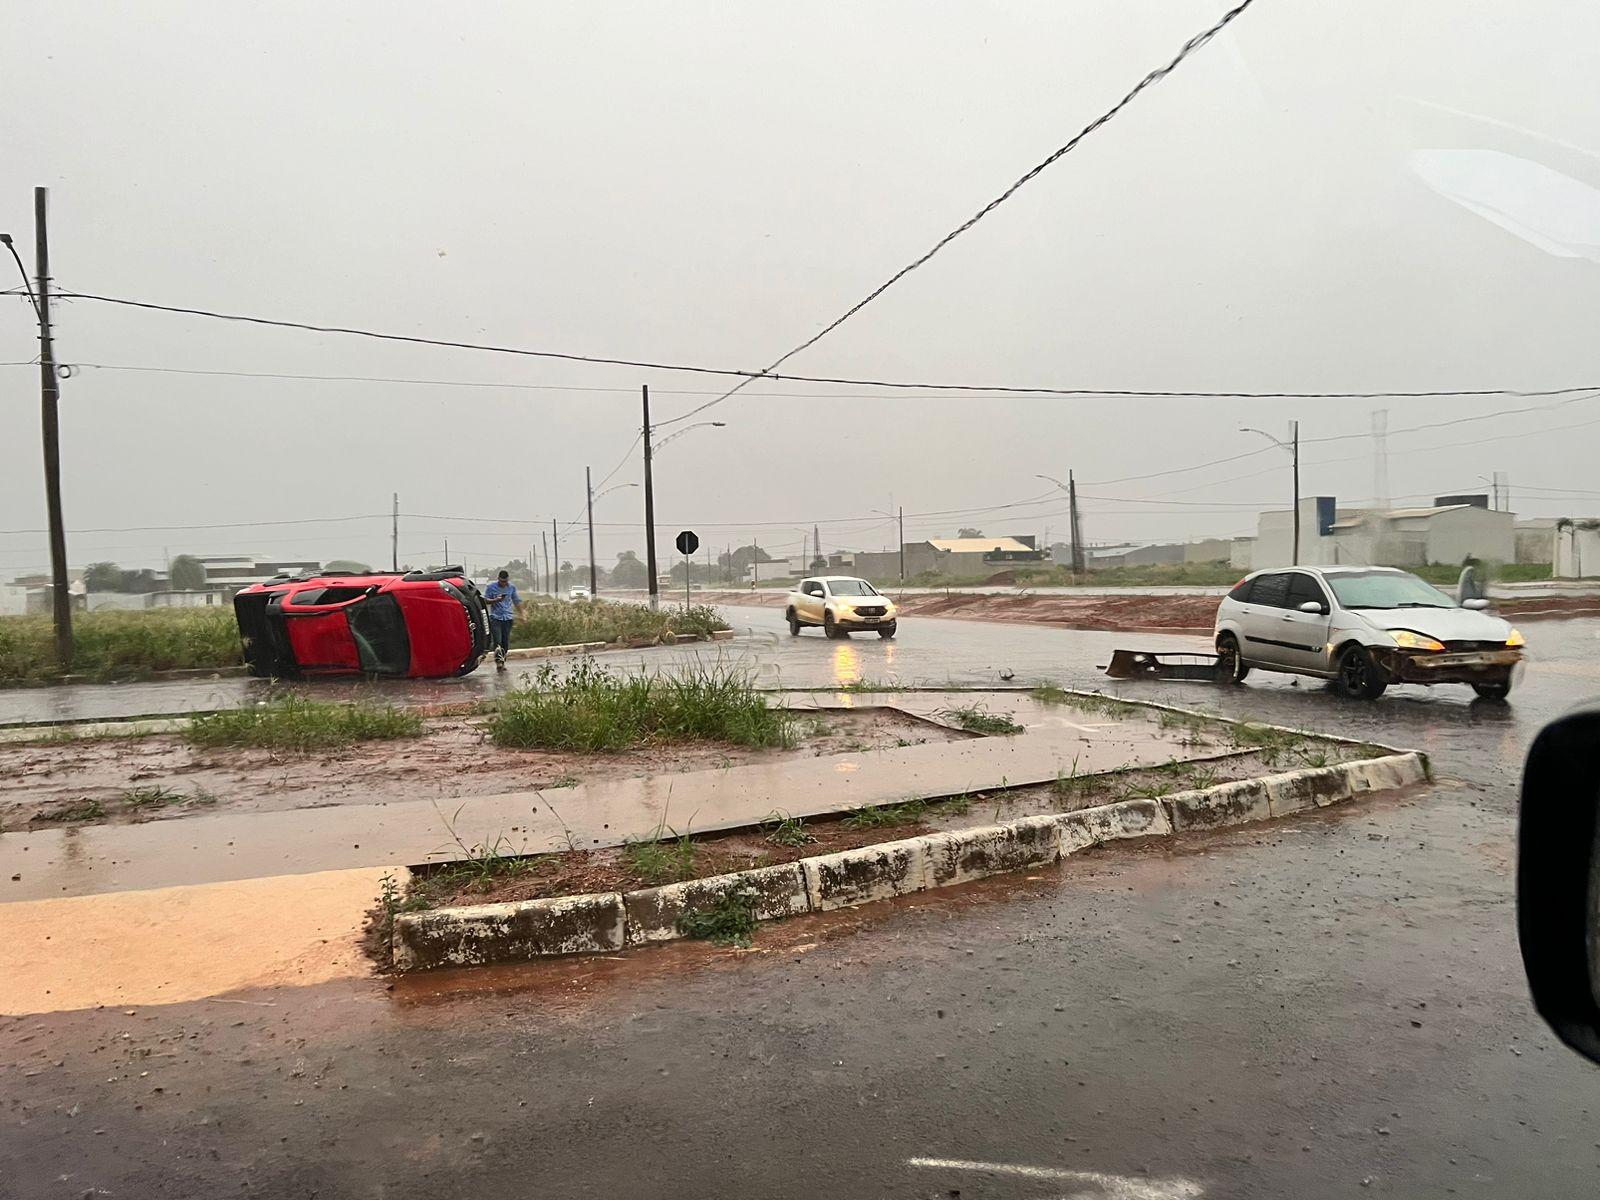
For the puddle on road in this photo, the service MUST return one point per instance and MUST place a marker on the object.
(169, 945)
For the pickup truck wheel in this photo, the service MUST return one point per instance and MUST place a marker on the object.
(1493, 691)
(829, 629)
(1359, 677)
(886, 631)
(1230, 663)
(794, 624)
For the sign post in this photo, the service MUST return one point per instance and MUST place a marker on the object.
(687, 543)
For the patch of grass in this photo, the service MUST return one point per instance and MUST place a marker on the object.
(591, 709)
(121, 645)
(729, 922)
(296, 723)
(1270, 742)
(78, 810)
(152, 797)
(545, 621)
(1314, 758)
(564, 781)
(974, 718)
(1108, 706)
(476, 864)
(787, 830)
(866, 685)
(1049, 693)
(666, 859)
(955, 806)
(881, 816)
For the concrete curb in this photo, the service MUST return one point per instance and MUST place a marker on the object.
(607, 922)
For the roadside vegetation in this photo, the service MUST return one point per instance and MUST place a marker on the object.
(120, 645)
(592, 709)
(112, 645)
(297, 723)
(545, 621)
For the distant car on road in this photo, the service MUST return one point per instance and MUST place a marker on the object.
(1364, 628)
(841, 605)
(579, 592)
(423, 624)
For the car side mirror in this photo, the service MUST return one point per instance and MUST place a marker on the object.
(1558, 879)
(1314, 606)
(1475, 604)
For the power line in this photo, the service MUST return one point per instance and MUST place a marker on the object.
(1189, 47)
(965, 390)
(222, 525)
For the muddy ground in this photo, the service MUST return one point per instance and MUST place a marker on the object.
(160, 777)
(1125, 613)
(628, 868)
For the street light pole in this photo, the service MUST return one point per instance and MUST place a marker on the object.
(1294, 438)
(1292, 447)
(649, 508)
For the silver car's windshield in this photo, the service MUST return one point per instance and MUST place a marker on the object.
(1386, 589)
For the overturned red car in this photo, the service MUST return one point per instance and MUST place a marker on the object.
(420, 625)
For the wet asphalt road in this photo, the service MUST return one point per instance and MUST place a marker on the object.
(1324, 1006)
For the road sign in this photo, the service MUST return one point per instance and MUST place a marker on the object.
(688, 542)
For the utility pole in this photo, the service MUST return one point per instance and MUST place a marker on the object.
(755, 565)
(1294, 442)
(394, 535)
(902, 518)
(1075, 536)
(555, 563)
(50, 421)
(544, 549)
(446, 552)
(588, 490)
(649, 508)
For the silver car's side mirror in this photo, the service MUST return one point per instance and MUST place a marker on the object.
(1314, 606)
(1475, 604)
(1558, 879)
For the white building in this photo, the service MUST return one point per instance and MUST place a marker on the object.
(1401, 537)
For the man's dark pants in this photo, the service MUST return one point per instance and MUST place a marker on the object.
(500, 634)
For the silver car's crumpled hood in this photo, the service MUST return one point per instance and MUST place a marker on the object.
(1445, 624)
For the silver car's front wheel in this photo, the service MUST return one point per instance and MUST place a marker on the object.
(1359, 676)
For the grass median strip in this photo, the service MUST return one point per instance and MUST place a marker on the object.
(297, 723)
(121, 645)
(548, 622)
(592, 709)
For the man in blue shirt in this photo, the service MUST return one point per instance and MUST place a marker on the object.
(504, 604)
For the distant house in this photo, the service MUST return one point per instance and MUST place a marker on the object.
(231, 572)
(968, 557)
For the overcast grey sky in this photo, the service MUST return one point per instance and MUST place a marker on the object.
(711, 183)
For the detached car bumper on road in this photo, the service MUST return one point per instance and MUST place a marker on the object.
(421, 625)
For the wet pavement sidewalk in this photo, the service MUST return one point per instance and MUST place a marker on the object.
(96, 859)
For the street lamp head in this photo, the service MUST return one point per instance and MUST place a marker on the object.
(5, 239)
(720, 424)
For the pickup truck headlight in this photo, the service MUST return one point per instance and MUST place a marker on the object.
(1407, 640)
(1515, 639)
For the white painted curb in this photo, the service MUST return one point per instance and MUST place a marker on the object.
(607, 922)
